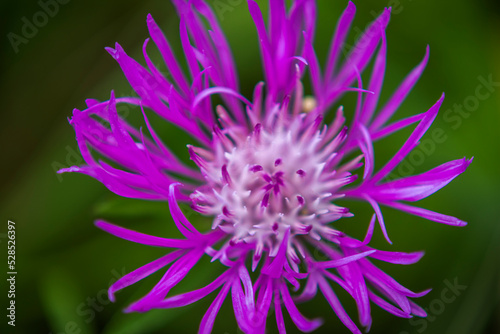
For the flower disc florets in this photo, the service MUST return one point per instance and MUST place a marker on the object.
(281, 176)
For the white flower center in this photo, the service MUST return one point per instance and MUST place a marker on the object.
(273, 180)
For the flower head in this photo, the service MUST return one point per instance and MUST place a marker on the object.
(268, 170)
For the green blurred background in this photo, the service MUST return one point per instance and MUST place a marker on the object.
(65, 264)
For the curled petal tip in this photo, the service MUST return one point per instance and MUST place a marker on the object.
(138, 306)
(111, 296)
(172, 186)
(91, 102)
(113, 52)
(100, 223)
(128, 310)
(68, 170)
(420, 254)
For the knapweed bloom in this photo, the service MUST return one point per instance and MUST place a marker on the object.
(268, 169)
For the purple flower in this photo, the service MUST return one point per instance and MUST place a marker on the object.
(268, 170)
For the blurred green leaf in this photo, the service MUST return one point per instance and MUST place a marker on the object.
(59, 293)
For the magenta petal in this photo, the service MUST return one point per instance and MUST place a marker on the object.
(302, 18)
(415, 188)
(208, 320)
(113, 184)
(399, 96)
(354, 275)
(417, 310)
(337, 307)
(381, 284)
(223, 63)
(275, 268)
(369, 232)
(343, 25)
(314, 69)
(363, 50)
(152, 68)
(247, 284)
(277, 17)
(310, 289)
(427, 214)
(387, 306)
(264, 44)
(264, 299)
(303, 324)
(396, 126)
(192, 296)
(343, 284)
(142, 272)
(366, 146)
(376, 80)
(184, 226)
(167, 54)
(380, 217)
(243, 313)
(391, 257)
(144, 239)
(219, 90)
(171, 278)
(345, 260)
(382, 279)
(397, 257)
(280, 322)
(141, 80)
